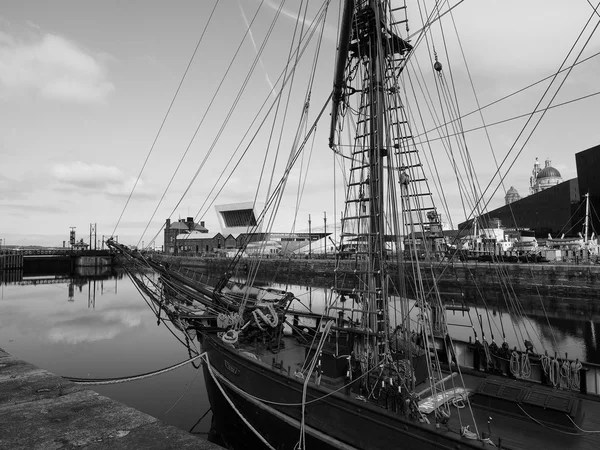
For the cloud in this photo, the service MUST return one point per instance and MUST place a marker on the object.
(30, 208)
(108, 180)
(137, 224)
(11, 189)
(95, 328)
(251, 35)
(53, 67)
(89, 176)
(330, 32)
(32, 24)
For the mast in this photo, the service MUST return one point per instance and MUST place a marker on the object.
(368, 55)
(587, 217)
(377, 156)
(340, 66)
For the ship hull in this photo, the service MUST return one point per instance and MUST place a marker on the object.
(270, 400)
(235, 433)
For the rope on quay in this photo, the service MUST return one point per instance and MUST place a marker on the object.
(101, 381)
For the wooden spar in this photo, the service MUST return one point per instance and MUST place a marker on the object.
(340, 66)
(443, 380)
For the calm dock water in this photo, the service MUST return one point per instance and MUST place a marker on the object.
(101, 328)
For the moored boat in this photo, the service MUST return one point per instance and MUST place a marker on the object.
(365, 372)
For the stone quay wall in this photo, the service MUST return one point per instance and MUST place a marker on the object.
(567, 281)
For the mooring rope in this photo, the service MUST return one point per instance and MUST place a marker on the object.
(241, 416)
(101, 381)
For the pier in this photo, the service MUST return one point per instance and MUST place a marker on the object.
(564, 287)
(22, 259)
(40, 410)
(11, 261)
(17, 265)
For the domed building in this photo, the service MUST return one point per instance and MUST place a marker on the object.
(556, 204)
(511, 196)
(542, 179)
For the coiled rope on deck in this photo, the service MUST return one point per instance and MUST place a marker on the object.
(101, 381)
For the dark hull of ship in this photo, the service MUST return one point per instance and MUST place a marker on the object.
(233, 433)
(333, 422)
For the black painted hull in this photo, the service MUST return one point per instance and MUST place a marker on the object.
(334, 422)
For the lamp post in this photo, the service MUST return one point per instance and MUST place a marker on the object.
(325, 233)
(72, 237)
(309, 240)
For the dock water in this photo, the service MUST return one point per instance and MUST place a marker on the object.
(41, 410)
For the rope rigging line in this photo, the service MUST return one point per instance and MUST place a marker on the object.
(208, 108)
(446, 143)
(512, 147)
(105, 381)
(432, 20)
(200, 420)
(275, 115)
(142, 289)
(500, 122)
(518, 91)
(462, 144)
(165, 119)
(316, 361)
(286, 173)
(471, 183)
(443, 141)
(302, 126)
(498, 169)
(284, 80)
(546, 426)
(237, 411)
(430, 160)
(563, 230)
(187, 388)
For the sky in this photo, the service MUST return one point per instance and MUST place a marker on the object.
(85, 86)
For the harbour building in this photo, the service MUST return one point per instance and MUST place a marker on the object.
(239, 227)
(554, 206)
(182, 227)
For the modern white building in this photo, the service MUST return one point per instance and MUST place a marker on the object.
(238, 218)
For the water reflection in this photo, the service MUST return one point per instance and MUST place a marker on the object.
(100, 327)
(560, 332)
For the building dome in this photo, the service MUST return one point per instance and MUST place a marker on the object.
(549, 172)
(512, 195)
(542, 179)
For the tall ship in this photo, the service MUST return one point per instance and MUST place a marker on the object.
(376, 367)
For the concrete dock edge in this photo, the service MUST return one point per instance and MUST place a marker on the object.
(41, 410)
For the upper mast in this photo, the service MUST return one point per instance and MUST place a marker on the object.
(340, 66)
(375, 21)
(366, 52)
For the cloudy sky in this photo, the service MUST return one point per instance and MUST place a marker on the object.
(85, 86)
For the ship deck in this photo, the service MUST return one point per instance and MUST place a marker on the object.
(519, 429)
(525, 430)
